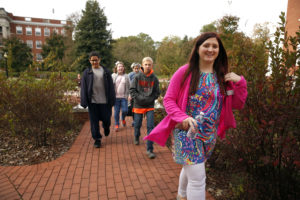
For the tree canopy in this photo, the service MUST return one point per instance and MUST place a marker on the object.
(172, 53)
(209, 28)
(92, 34)
(54, 44)
(19, 54)
(133, 49)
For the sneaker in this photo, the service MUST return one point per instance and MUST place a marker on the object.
(97, 144)
(124, 123)
(116, 128)
(106, 131)
(136, 140)
(151, 155)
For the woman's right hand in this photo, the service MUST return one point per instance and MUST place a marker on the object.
(179, 126)
(187, 123)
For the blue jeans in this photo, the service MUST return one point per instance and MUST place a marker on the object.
(138, 118)
(121, 103)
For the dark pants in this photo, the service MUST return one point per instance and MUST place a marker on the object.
(138, 118)
(99, 112)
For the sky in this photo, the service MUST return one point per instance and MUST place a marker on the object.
(157, 18)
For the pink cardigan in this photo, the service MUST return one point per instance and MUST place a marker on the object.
(175, 102)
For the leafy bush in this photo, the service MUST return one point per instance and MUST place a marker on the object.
(35, 109)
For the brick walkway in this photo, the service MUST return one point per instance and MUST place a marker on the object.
(118, 170)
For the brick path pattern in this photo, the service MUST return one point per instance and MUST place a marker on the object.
(119, 170)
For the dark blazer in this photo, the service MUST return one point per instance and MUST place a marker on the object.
(87, 87)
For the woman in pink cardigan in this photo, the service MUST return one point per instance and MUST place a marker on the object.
(199, 103)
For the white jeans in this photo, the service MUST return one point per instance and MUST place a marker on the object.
(192, 182)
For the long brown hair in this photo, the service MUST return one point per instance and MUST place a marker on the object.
(220, 65)
(116, 67)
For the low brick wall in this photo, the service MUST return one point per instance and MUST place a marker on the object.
(81, 116)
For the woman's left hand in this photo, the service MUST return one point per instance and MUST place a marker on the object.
(232, 77)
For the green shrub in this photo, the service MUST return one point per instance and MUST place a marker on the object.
(35, 109)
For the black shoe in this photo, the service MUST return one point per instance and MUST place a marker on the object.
(136, 140)
(97, 144)
(106, 132)
(151, 155)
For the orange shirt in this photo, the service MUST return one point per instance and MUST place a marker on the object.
(141, 110)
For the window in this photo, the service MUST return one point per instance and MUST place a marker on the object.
(38, 32)
(38, 44)
(46, 32)
(63, 22)
(28, 31)
(29, 43)
(63, 31)
(19, 30)
(0, 30)
(27, 19)
(39, 57)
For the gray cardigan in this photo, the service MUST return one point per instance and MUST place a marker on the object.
(127, 83)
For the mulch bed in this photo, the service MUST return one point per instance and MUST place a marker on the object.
(16, 151)
(217, 183)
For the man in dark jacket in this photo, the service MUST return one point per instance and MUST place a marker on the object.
(144, 89)
(98, 94)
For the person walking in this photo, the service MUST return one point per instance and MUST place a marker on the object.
(121, 85)
(144, 90)
(136, 68)
(199, 103)
(98, 94)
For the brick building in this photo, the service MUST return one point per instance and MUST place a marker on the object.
(293, 17)
(293, 24)
(32, 31)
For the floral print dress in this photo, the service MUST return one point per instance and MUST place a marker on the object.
(207, 99)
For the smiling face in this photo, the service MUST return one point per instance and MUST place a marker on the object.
(120, 68)
(209, 50)
(94, 60)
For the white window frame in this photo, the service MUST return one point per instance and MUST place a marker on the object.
(38, 44)
(29, 43)
(19, 30)
(38, 32)
(28, 30)
(46, 32)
